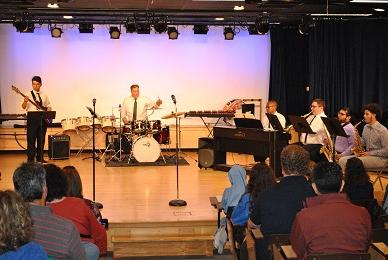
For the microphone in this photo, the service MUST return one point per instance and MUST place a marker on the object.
(94, 101)
(173, 99)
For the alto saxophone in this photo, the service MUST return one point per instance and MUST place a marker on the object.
(328, 148)
(358, 148)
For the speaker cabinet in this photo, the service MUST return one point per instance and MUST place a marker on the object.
(206, 156)
(59, 147)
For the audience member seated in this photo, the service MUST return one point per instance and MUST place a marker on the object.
(74, 189)
(275, 209)
(330, 223)
(358, 186)
(232, 195)
(260, 178)
(93, 234)
(58, 236)
(16, 229)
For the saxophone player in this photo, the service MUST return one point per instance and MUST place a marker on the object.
(374, 138)
(314, 142)
(344, 145)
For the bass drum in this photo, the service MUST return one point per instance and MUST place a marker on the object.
(146, 149)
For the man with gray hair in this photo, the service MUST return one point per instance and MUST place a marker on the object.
(276, 207)
(56, 235)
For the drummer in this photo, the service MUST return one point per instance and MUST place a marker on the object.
(134, 106)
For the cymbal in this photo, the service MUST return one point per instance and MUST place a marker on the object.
(154, 108)
(173, 115)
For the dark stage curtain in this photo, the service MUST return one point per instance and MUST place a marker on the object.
(349, 63)
(289, 70)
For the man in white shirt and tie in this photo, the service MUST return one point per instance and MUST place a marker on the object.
(35, 135)
(135, 107)
(271, 108)
(313, 142)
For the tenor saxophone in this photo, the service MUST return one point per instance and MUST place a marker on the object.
(358, 148)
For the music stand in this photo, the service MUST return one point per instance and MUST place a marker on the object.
(300, 125)
(274, 121)
(39, 116)
(335, 129)
(248, 123)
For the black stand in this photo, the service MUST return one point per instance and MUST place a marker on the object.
(300, 125)
(335, 129)
(94, 115)
(34, 116)
(177, 202)
(93, 112)
(274, 121)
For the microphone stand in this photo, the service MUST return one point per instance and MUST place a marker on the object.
(177, 202)
(94, 151)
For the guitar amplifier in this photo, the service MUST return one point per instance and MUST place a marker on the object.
(59, 147)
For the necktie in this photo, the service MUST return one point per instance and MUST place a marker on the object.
(134, 110)
(305, 138)
(40, 99)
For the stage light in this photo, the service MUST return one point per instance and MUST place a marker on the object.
(53, 5)
(172, 33)
(85, 28)
(304, 26)
(229, 33)
(238, 8)
(130, 27)
(200, 29)
(56, 32)
(23, 26)
(143, 28)
(160, 27)
(252, 29)
(262, 25)
(114, 32)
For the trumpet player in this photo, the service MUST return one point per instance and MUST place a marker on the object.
(313, 142)
(344, 145)
(374, 139)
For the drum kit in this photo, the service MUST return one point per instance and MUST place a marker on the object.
(139, 140)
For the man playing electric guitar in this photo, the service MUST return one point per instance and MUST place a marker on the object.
(35, 100)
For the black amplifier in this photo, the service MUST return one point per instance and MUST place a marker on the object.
(59, 147)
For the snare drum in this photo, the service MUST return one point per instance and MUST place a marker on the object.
(146, 149)
(108, 124)
(84, 123)
(69, 125)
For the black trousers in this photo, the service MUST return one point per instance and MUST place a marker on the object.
(315, 152)
(35, 139)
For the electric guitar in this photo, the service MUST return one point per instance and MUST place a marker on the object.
(35, 104)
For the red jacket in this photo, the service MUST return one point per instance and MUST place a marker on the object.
(330, 224)
(78, 212)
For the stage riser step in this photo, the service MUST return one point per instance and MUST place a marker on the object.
(163, 248)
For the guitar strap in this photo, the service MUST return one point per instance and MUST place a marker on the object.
(36, 101)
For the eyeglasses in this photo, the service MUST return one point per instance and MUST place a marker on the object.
(342, 114)
(314, 106)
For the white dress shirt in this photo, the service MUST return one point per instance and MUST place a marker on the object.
(317, 126)
(268, 126)
(43, 96)
(142, 104)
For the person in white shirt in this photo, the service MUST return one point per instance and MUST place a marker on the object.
(36, 135)
(271, 108)
(134, 107)
(313, 142)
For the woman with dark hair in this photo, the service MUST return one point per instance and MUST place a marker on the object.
(358, 186)
(74, 189)
(93, 234)
(261, 177)
(16, 229)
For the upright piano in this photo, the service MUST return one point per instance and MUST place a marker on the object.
(249, 141)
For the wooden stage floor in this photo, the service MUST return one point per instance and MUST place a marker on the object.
(141, 194)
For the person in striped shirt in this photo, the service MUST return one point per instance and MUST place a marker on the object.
(58, 236)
